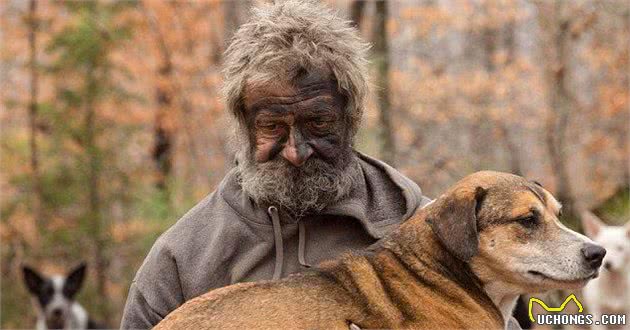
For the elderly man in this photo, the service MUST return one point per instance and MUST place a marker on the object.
(295, 81)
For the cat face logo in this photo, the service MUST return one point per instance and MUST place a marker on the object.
(532, 300)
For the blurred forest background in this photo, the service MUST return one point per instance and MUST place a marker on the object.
(112, 125)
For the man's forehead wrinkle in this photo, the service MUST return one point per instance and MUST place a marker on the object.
(316, 87)
(255, 92)
(278, 113)
(286, 91)
(278, 104)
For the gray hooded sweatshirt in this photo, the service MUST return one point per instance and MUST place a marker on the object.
(226, 239)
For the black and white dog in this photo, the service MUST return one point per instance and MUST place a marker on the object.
(53, 298)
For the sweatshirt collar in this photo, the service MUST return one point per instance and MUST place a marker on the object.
(367, 202)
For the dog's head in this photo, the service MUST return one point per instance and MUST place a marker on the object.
(507, 229)
(54, 295)
(615, 239)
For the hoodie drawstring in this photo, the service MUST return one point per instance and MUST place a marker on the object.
(277, 236)
(301, 244)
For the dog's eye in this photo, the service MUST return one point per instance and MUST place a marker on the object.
(529, 221)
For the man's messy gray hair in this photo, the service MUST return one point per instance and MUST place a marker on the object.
(282, 38)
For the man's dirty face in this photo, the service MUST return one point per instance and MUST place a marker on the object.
(296, 122)
(299, 143)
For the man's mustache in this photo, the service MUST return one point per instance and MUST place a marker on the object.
(309, 187)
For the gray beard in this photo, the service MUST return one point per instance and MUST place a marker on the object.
(298, 190)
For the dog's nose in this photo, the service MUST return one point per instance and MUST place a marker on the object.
(56, 313)
(593, 254)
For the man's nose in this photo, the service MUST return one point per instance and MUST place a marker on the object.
(593, 254)
(296, 150)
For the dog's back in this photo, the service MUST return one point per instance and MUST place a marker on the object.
(375, 290)
(289, 301)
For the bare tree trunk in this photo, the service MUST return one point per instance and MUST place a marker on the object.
(477, 52)
(489, 38)
(215, 37)
(182, 88)
(90, 144)
(36, 199)
(162, 152)
(513, 150)
(233, 18)
(381, 60)
(94, 170)
(356, 12)
(481, 123)
(625, 130)
(233, 12)
(163, 137)
(230, 11)
(557, 27)
(169, 87)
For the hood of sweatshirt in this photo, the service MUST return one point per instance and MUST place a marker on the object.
(377, 201)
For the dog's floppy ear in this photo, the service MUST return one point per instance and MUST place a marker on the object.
(455, 221)
(33, 279)
(591, 223)
(74, 281)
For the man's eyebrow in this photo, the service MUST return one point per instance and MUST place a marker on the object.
(537, 193)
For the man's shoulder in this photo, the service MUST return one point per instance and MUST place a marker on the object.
(199, 216)
(409, 187)
(193, 235)
(197, 220)
(211, 215)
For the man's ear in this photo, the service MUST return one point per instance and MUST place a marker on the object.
(33, 280)
(627, 227)
(455, 221)
(591, 223)
(74, 281)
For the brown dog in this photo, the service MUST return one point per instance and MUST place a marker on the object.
(460, 262)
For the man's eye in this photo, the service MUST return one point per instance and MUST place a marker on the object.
(270, 129)
(269, 126)
(319, 124)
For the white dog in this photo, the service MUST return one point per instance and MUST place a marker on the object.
(610, 293)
